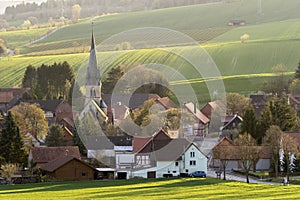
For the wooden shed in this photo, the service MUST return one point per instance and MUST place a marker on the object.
(68, 168)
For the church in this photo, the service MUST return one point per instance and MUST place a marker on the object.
(93, 87)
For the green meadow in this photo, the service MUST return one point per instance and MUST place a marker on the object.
(21, 37)
(149, 189)
(244, 67)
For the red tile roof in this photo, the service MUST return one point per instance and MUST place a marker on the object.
(166, 102)
(7, 94)
(199, 115)
(158, 139)
(139, 142)
(296, 136)
(6, 97)
(47, 154)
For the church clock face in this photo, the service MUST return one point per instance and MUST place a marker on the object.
(97, 115)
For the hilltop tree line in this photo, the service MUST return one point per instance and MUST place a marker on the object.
(63, 8)
(49, 81)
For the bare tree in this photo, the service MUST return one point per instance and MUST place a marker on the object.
(290, 148)
(273, 140)
(76, 9)
(248, 151)
(223, 152)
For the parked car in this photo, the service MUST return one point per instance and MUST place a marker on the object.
(201, 174)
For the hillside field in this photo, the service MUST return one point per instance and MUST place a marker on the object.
(149, 189)
(274, 39)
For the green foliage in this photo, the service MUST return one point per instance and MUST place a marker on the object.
(113, 76)
(77, 138)
(283, 115)
(249, 124)
(29, 79)
(294, 87)
(30, 118)
(279, 84)
(11, 143)
(55, 136)
(49, 82)
(142, 115)
(265, 122)
(9, 169)
(236, 103)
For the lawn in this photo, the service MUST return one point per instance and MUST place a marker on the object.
(149, 189)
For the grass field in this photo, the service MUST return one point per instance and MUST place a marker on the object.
(20, 37)
(195, 20)
(149, 189)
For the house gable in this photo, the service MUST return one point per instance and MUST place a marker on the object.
(158, 141)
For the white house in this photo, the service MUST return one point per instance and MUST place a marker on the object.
(178, 157)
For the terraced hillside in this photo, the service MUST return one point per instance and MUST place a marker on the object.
(199, 21)
(244, 66)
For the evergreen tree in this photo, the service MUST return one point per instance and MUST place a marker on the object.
(249, 124)
(77, 140)
(264, 123)
(114, 75)
(29, 79)
(56, 136)
(11, 143)
(283, 115)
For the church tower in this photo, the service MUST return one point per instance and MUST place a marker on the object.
(93, 83)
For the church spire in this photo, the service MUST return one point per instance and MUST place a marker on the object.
(93, 74)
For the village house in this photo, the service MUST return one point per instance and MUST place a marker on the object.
(159, 156)
(198, 126)
(68, 168)
(230, 124)
(9, 96)
(294, 101)
(259, 102)
(39, 156)
(227, 151)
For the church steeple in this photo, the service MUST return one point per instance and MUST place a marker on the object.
(93, 84)
(93, 74)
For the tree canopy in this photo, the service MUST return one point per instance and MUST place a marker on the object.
(56, 136)
(11, 143)
(30, 118)
(49, 81)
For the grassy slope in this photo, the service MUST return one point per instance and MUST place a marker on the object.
(149, 189)
(196, 17)
(21, 37)
(270, 44)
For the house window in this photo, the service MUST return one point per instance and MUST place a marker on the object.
(176, 164)
(192, 162)
(192, 154)
(174, 171)
(83, 174)
(186, 170)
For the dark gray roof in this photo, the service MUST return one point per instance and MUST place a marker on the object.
(172, 151)
(47, 105)
(98, 143)
(103, 142)
(135, 100)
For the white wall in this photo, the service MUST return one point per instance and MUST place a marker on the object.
(201, 160)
